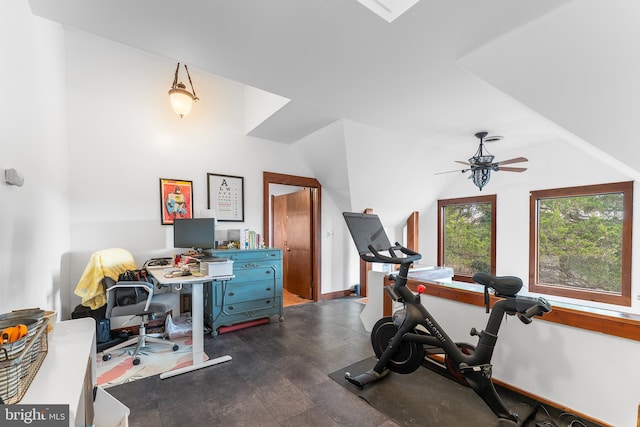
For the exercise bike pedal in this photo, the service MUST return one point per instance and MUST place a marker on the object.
(366, 377)
(484, 371)
(503, 422)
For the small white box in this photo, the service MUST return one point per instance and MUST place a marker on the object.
(108, 411)
(217, 268)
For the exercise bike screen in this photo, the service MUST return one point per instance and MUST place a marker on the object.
(366, 229)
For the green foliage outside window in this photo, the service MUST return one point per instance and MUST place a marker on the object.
(467, 238)
(580, 242)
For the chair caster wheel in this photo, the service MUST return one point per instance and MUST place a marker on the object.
(136, 361)
(106, 357)
(175, 347)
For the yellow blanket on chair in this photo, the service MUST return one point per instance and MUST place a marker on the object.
(104, 263)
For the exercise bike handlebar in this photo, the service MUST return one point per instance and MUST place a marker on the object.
(376, 256)
(538, 309)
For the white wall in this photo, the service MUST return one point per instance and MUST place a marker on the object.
(34, 218)
(339, 256)
(324, 150)
(124, 137)
(92, 150)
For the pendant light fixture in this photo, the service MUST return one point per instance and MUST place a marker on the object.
(181, 98)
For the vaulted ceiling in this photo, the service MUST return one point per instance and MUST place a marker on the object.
(527, 70)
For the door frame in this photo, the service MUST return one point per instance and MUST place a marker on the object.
(298, 181)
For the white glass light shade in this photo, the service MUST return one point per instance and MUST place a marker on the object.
(181, 100)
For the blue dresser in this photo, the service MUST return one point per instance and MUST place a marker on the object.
(254, 293)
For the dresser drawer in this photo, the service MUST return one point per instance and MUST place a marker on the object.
(247, 291)
(247, 271)
(250, 307)
(250, 255)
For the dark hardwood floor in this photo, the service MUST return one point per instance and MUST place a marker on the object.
(278, 376)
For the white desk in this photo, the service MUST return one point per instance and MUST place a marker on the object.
(68, 375)
(61, 378)
(197, 317)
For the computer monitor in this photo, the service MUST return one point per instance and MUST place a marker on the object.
(195, 233)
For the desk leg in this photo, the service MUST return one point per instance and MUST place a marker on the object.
(197, 332)
(197, 322)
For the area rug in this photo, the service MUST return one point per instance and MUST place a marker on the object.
(154, 360)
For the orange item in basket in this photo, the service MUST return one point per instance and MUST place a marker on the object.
(13, 333)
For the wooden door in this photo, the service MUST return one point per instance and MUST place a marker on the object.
(279, 215)
(279, 227)
(292, 232)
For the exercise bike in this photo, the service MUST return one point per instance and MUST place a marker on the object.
(402, 341)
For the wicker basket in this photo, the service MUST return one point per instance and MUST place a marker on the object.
(20, 361)
(32, 325)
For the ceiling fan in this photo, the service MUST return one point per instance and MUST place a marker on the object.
(481, 164)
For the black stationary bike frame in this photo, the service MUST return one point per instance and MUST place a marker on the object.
(475, 367)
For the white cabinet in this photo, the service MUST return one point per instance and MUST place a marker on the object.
(68, 375)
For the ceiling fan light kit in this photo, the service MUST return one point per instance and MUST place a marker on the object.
(481, 164)
(480, 177)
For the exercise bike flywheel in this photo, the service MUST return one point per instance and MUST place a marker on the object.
(407, 358)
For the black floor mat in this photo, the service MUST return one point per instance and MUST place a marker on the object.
(426, 398)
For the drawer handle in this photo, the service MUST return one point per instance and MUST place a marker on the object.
(268, 289)
(231, 294)
(268, 302)
(230, 307)
(267, 272)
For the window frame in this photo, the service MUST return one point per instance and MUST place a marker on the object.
(442, 204)
(626, 188)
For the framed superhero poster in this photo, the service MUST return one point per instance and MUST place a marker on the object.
(176, 200)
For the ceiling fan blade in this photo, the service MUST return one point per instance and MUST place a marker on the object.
(510, 169)
(458, 170)
(461, 162)
(516, 160)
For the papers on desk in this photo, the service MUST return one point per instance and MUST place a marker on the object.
(178, 272)
(176, 275)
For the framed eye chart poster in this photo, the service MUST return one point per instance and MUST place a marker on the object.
(226, 197)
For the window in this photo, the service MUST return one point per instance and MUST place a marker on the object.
(467, 236)
(580, 242)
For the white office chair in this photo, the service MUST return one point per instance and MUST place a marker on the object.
(153, 303)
